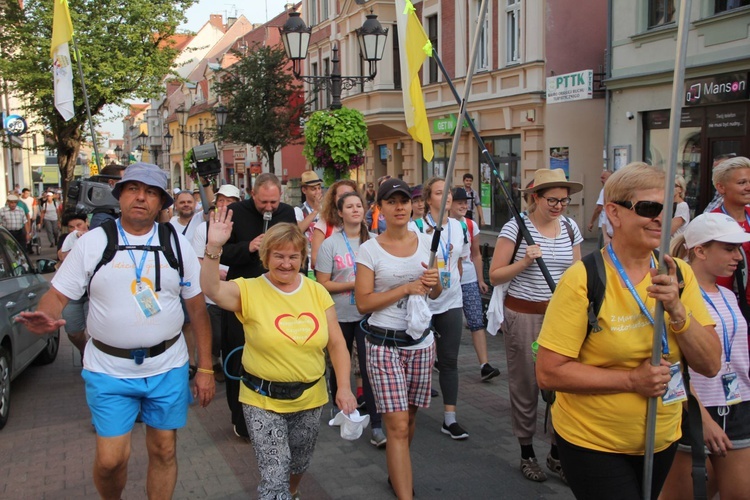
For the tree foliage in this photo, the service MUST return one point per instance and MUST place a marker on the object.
(264, 101)
(125, 49)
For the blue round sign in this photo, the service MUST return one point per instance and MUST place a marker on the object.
(15, 125)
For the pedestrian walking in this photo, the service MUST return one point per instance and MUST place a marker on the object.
(308, 212)
(391, 270)
(50, 218)
(283, 362)
(712, 242)
(15, 220)
(136, 360)
(558, 242)
(604, 378)
(682, 210)
(240, 253)
(336, 271)
(329, 219)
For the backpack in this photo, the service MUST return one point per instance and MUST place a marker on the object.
(420, 226)
(166, 233)
(519, 236)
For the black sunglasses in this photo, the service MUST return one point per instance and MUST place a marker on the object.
(647, 209)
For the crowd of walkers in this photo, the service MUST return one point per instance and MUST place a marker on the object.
(342, 300)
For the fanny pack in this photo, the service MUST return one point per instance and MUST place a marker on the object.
(391, 338)
(276, 390)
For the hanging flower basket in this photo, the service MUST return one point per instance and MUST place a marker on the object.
(335, 140)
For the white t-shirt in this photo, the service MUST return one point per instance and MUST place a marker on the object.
(50, 210)
(187, 231)
(557, 254)
(470, 272)
(69, 242)
(392, 272)
(199, 246)
(114, 316)
(682, 211)
(603, 213)
(451, 244)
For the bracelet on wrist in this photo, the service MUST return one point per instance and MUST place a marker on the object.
(206, 371)
(685, 324)
(214, 256)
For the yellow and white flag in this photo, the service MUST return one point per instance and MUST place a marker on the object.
(415, 47)
(62, 69)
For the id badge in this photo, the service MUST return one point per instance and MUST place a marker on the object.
(676, 387)
(731, 385)
(445, 279)
(352, 302)
(147, 302)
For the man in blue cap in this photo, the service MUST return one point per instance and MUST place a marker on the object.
(136, 360)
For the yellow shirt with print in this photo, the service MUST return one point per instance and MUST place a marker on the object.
(614, 423)
(285, 334)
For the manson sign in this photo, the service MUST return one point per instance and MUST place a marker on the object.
(726, 87)
(570, 87)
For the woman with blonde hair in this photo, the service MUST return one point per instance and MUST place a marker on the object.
(558, 242)
(283, 386)
(681, 215)
(329, 219)
(604, 377)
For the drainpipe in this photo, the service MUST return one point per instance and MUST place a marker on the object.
(607, 75)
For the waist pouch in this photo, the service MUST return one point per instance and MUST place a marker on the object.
(391, 338)
(276, 390)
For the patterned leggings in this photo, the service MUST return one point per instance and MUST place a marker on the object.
(283, 444)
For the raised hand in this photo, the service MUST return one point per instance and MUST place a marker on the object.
(219, 228)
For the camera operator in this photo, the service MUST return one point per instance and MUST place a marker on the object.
(112, 174)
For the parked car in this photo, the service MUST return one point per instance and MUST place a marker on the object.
(21, 287)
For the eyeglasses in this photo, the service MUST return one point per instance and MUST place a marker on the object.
(647, 209)
(552, 202)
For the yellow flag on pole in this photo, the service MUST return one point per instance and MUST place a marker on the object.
(415, 47)
(62, 70)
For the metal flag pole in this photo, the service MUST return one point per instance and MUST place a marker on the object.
(678, 96)
(457, 134)
(86, 100)
(493, 168)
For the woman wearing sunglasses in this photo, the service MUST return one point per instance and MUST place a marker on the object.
(712, 242)
(604, 378)
(558, 242)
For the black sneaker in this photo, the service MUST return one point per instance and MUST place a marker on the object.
(434, 393)
(454, 430)
(488, 372)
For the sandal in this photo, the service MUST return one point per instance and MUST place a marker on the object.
(554, 465)
(532, 471)
(192, 370)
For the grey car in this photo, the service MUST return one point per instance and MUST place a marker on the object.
(21, 287)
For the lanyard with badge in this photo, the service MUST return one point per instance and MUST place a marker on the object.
(447, 250)
(676, 388)
(729, 380)
(144, 295)
(354, 263)
(747, 217)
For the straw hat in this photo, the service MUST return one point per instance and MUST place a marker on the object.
(546, 178)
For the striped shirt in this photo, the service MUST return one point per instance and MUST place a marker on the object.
(557, 254)
(710, 390)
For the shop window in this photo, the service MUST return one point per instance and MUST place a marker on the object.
(725, 5)
(660, 12)
(513, 31)
(506, 154)
(439, 163)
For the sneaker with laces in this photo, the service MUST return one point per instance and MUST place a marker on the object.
(488, 372)
(377, 438)
(454, 430)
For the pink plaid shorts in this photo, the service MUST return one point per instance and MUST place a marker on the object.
(400, 377)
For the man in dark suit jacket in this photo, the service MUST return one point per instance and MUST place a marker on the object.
(240, 253)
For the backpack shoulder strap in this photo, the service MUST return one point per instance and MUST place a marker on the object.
(519, 237)
(596, 283)
(470, 224)
(420, 225)
(569, 229)
(465, 229)
(110, 230)
(329, 230)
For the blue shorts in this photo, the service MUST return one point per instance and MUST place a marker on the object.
(162, 401)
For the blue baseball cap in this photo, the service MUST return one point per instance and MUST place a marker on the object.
(150, 175)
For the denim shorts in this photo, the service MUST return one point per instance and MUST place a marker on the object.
(115, 403)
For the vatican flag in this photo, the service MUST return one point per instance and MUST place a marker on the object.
(415, 47)
(62, 69)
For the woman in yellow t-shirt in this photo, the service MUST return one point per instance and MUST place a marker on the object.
(605, 378)
(283, 363)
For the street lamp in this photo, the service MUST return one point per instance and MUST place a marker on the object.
(221, 113)
(118, 152)
(168, 141)
(142, 140)
(371, 36)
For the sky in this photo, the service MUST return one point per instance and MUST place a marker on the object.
(256, 11)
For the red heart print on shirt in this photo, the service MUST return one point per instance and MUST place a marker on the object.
(300, 329)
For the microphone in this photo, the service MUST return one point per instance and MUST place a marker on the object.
(267, 216)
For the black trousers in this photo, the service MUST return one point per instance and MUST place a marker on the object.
(615, 476)
(233, 336)
(19, 235)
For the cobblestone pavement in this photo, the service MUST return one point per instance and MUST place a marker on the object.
(47, 447)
